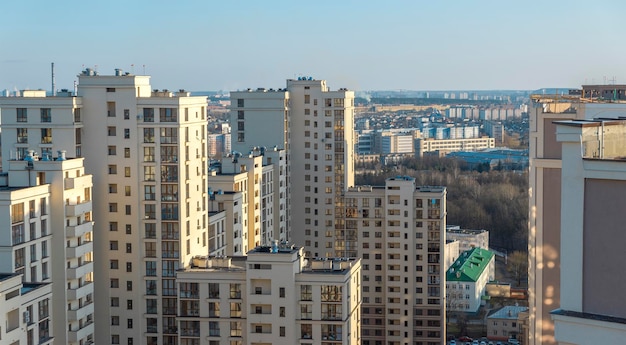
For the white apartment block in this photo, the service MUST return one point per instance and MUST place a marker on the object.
(230, 203)
(315, 126)
(274, 295)
(49, 205)
(261, 178)
(451, 145)
(26, 316)
(401, 236)
(466, 279)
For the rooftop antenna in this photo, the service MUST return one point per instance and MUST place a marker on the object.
(54, 89)
(144, 69)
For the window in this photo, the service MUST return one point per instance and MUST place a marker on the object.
(113, 245)
(46, 114)
(115, 283)
(129, 267)
(115, 302)
(151, 288)
(148, 135)
(148, 154)
(281, 292)
(168, 114)
(111, 131)
(169, 135)
(148, 115)
(148, 173)
(235, 291)
(306, 293)
(127, 152)
(111, 150)
(126, 133)
(113, 264)
(112, 169)
(129, 304)
(112, 188)
(126, 171)
(22, 135)
(214, 290)
(21, 115)
(46, 135)
(112, 207)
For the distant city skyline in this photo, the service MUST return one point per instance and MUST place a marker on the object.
(200, 45)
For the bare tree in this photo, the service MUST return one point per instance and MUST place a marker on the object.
(517, 265)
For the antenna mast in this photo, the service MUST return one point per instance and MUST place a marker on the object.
(54, 88)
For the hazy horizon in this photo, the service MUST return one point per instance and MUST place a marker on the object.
(400, 45)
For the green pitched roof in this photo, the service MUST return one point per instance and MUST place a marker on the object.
(469, 265)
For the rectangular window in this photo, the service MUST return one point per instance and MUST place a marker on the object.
(148, 115)
(46, 135)
(46, 114)
(111, 150)
(22, 115)
(22, 135)
(148, 135)
(111, 131)
(168, 114)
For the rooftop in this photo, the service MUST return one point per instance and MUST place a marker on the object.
(507, 312)
(469, 266)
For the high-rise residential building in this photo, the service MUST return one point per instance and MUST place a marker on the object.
(544, 242)
(315, 126)
(592, 196)
(146, 150)
(47, 205)
(26, 311)
(401, 234)
(260, 176)
(274, 295)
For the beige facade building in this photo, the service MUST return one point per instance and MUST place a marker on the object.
(315, 126)
(545, 201)
(260, 177)
(592, 199)
(147, 152)
(401, 236)
(26, 316)
(274, 295)
(47, 205)
(507, 323)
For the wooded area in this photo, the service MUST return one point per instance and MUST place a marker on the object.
(493, 200)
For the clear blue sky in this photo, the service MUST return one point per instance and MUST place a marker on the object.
(362, 45)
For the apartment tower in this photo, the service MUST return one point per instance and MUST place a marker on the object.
(402, 236)
(147, 151)
(51, 221)
(315, 126)
(545, 188)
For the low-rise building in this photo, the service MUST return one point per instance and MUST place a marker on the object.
(505, 323)
(271, 296)
(466, 279)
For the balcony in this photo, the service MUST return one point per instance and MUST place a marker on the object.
(74, 294)
(80, 271)
(76, 336)
(79, 230)
(79, 251)
(78, 209)
(79, 183)
(80, 313)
